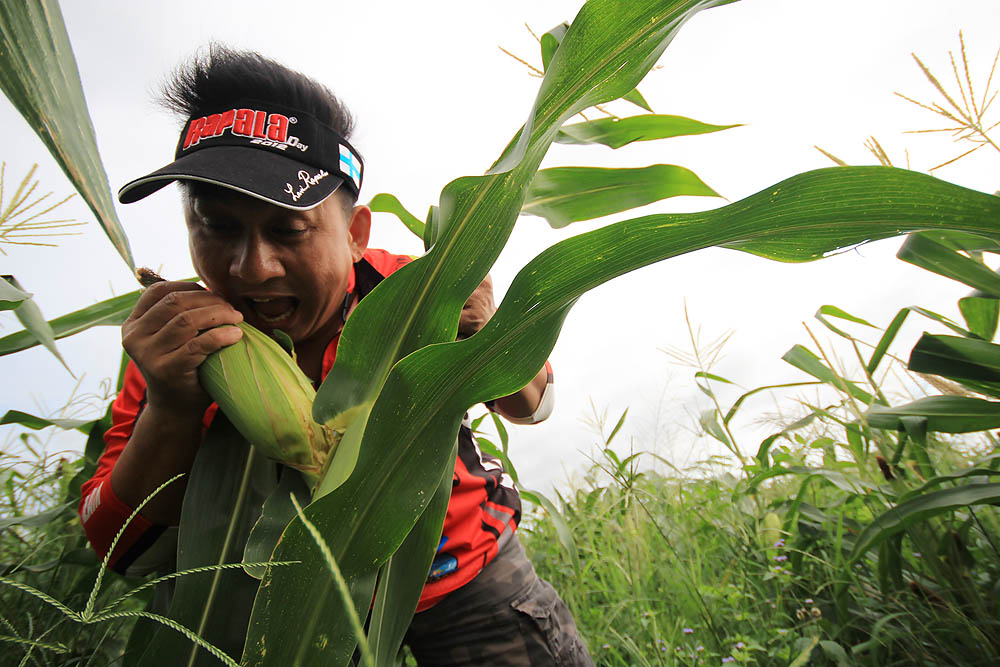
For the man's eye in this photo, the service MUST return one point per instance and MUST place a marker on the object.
(289, 232)
(217, 226)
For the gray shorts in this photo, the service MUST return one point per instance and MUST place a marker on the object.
(505, 617)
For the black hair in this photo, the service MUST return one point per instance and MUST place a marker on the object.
(218, 76)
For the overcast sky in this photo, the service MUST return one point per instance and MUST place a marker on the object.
(436, 99)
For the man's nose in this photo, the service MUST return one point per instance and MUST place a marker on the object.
(256, 261)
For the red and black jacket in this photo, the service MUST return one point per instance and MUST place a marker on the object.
(483, 512)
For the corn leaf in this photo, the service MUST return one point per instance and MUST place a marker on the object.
(275, 514)
(10, 296)
(424, 397)
(950, 477)
(946, 414)
(980, 315)
(892, 331)
(110, 312)
(618, 132)
(30, 316)
(550, 43)
(386, 203)
(805, 360)
(37, 423)
(850, 485)
(232, 479)
(923, 251)
(38, 74)
(832, 311)
(609, 48)
(970, 244)
(958, 358)
(402, 579)
(922, 508)
(636, 98)
(40, 519)
(563, 195)
(973, 363)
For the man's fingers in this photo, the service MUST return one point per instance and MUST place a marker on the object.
(154, 293)
(180, 303)
(179, 329)
(211, 341)
(184, 359)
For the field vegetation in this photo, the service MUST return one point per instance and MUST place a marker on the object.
(862, 532)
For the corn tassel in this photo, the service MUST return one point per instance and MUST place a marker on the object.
(268, 398)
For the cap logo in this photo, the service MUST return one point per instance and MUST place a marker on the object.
(307, 180)
(266, 129)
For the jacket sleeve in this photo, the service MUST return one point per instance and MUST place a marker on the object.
(102, 513)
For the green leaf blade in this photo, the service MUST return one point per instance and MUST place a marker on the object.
(607, 50)
(387, 203)
(564, 195)
(618, 132)
(30, 316)
(980, 315)
(10, 296)
(945, 414)
(922, 251)
(110, 312)
(920, 509)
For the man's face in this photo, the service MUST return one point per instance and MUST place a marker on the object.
(282, 269)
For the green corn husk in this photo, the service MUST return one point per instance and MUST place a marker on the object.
(268, 398)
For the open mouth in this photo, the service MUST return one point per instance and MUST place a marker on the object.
(273, 310)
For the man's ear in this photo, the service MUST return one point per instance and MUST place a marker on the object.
(358, 231)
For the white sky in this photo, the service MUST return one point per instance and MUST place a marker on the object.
(436, 99)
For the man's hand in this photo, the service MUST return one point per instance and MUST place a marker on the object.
(478, 310)
(168, 335)
(475, 314)
(172, 329)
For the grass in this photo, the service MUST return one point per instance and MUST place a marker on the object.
(788, 556)
(677, 571)
(42, 546)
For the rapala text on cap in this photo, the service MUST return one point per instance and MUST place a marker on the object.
(261, 127)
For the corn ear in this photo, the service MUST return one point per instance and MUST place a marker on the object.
(268, 398)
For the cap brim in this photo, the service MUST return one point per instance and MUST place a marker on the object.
(273, 178)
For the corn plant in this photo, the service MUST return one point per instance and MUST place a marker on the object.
(899, 509)
(402, 382)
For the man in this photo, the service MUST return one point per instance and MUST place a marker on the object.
(270, 184)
